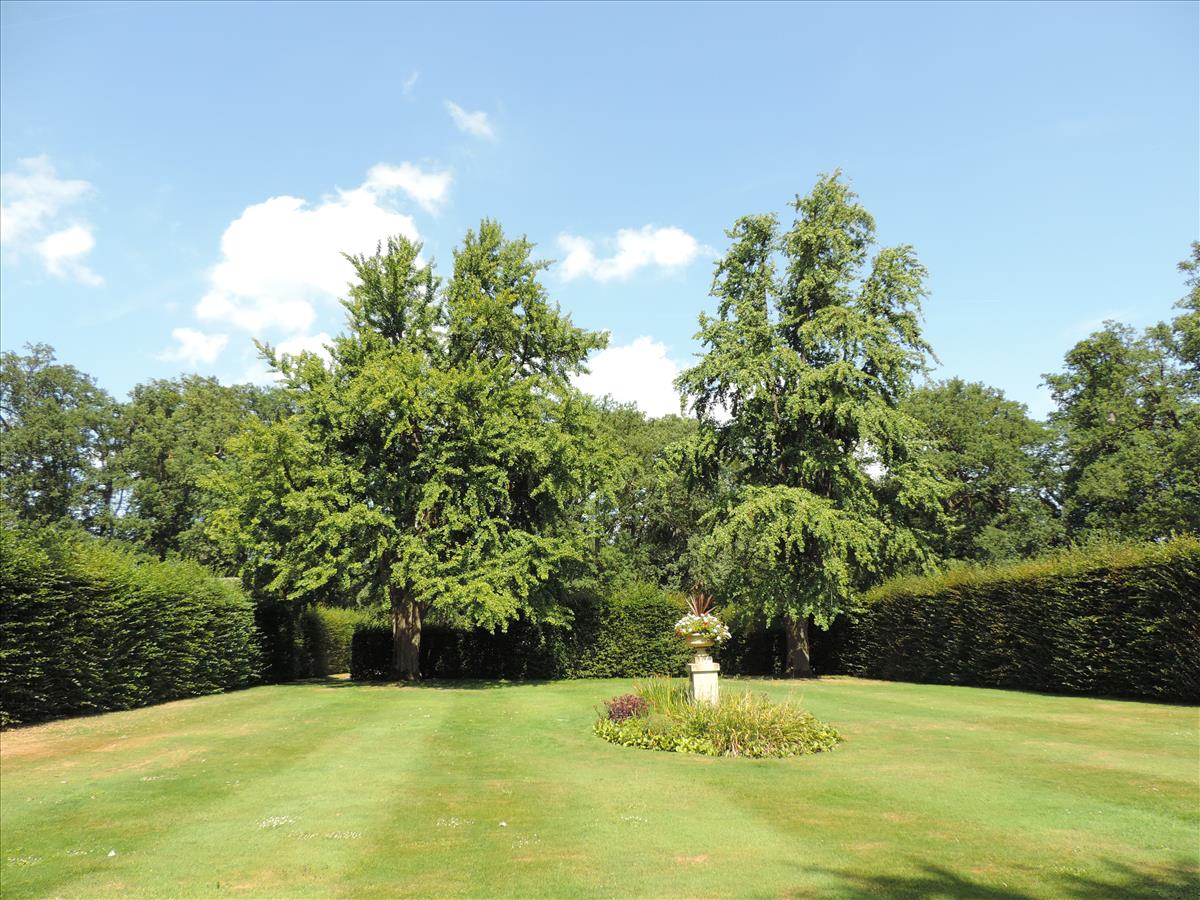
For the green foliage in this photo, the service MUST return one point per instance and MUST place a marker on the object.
(628, 635)
(824, 488)
(994, 459)
(653, 519)
(442, 462)
(308, 642)
(57, 432)
(89, 625)
(328, 632)
(1110, 620)
(741, 724)
(1129, 422)
(173, 432)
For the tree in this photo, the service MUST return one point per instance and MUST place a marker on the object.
(655, 513)
(798, 397)
(57, 438)
(174, 431)
(994, 459)
(1128, 418)
(441, 460)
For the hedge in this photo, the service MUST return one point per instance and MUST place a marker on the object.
(307, 641)
(90, 625)
(1113, 620)
(628, 635)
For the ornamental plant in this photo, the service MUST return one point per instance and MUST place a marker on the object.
(626, 706)
(744, 725)
(700, 621)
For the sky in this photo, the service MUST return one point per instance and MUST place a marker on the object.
(179, 179)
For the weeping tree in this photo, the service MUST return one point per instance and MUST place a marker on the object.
(439, 460)
(823, 483)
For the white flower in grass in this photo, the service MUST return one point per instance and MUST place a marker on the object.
(277, 821)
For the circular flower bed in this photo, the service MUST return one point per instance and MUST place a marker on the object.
(744, 724)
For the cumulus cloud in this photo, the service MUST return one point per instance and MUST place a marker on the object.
(62, 254)
(194, 347)
(662, 248)
(429, 189)
(411, 82)
(473, 123)
(34, 218)
(640, 372)
(282, 257)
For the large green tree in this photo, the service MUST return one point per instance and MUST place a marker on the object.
(813, 348)
(994, 458)
(58, 435)
(441, 460)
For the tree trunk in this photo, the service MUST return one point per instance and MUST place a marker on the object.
(797, 664)
(406, 636)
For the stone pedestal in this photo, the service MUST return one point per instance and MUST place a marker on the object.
(704, 679)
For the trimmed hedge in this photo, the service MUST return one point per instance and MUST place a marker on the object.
(628, 636)
(1113, 620)
(307, 642)
(90, 626)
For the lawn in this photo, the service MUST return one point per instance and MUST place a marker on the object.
(340, 789)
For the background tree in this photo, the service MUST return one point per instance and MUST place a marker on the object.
(442, 460)
(57, 440)
(1129, 424)
(174, 431)
(993, 456)
(655, 514)
(798, 396)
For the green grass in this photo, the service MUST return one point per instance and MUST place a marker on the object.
(387, 790)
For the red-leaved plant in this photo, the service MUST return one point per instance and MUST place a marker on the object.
(627, 706)
(700, 604)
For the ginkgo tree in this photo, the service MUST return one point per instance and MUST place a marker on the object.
(823, 483)
(439, 461)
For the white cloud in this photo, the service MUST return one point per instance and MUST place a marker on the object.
(640, 373)
(663, 248)
(411, 82)
(475, 123)
(306, 343)
(427, 188)
(194, 347)
(61, 252)
(283, 256)
(33, 219)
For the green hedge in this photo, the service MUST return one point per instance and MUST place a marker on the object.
(626, 636)
(307, 642)
(90, 625)
(1113, 620)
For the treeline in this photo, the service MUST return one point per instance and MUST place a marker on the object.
(442, 468)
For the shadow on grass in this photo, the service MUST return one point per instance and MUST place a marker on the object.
(1181, 879)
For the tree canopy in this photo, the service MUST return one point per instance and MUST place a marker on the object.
(798, 393)
(995, 461)
(441, 459)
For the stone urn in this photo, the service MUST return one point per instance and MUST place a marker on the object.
(699, 643)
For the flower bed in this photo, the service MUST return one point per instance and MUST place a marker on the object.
(750, 725)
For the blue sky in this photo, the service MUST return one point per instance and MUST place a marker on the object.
(178, 178)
